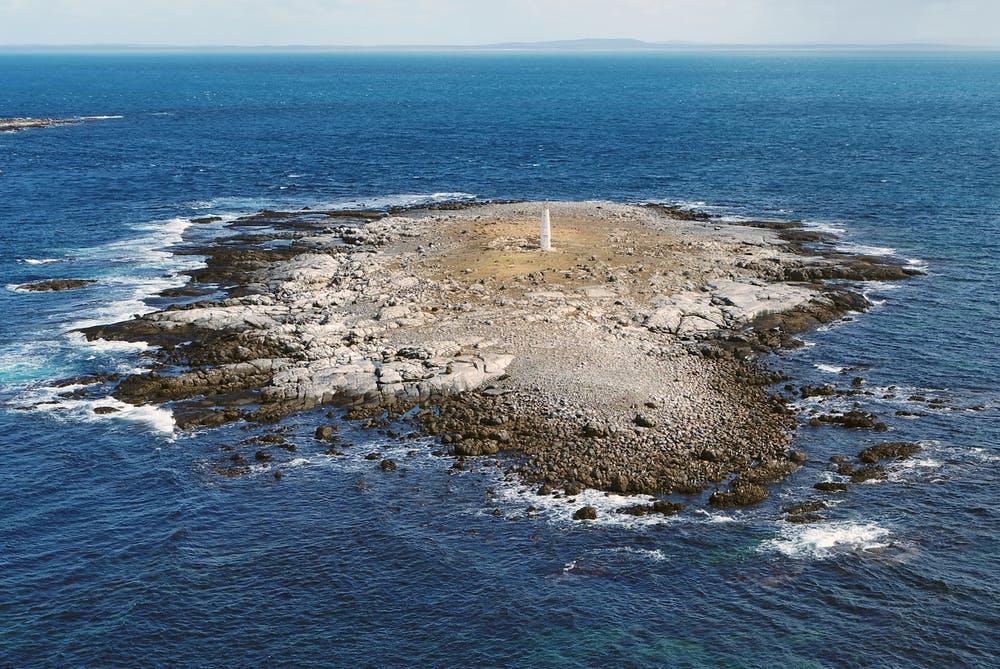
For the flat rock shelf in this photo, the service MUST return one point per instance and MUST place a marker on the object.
(625, 359)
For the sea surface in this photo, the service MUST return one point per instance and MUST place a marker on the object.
(121, 547)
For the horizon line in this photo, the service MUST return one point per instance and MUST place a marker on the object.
(580, 44)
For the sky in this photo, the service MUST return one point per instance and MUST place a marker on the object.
(469, 22)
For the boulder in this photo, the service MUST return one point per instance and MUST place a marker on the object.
(810, 506)
(642, 420)
(896, 450)
(325, 433)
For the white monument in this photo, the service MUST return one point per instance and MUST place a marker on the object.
(546, 240)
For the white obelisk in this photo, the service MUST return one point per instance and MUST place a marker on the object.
(546, 240)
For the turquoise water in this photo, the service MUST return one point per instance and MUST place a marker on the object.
(119, 546)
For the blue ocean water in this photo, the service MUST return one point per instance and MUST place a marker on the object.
(119, 546)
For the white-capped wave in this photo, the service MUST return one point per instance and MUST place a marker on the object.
(715, 516)
(829, 227)
(654, 554)
(106, 345)
(21, 363)
(39, 261)
(248, 205)
(830, 369)
(48, 401)
(561, 509)
(865, 249)
(688, 204)
(984, 455)
(147, 250)
(400, 200)
(824, 540)
(920, 469)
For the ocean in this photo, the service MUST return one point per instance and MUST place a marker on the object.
(121, 547)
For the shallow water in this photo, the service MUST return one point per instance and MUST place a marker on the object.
(120, 546)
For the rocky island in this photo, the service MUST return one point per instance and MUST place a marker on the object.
(625, 359)
(28, 123)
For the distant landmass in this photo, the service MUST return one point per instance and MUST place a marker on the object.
(578, 45)
(589, 44)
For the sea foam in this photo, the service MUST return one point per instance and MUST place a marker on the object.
(48, 401)
(830, 369)
(560, 510)
(825, 540)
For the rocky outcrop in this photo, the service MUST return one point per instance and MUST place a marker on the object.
(889, 450)
(659, 507)
(741, 492)
(55, 284)
(723, 304)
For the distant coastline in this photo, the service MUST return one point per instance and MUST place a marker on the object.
(587, 45)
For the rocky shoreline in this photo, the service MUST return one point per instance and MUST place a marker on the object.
(627, 359)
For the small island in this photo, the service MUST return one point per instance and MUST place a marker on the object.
(28, 123)
(626, 358)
